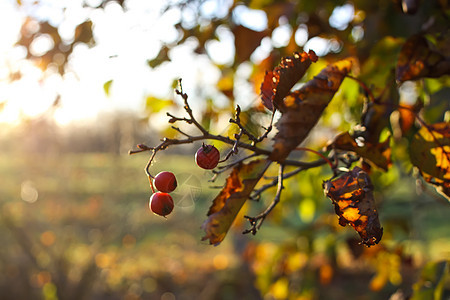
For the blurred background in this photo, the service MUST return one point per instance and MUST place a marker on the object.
(83, 82)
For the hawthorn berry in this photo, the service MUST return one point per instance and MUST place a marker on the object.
(161, 203)
(207, 157)
(165, 182)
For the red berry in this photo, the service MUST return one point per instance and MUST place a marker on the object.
(161, 203)
(165, 182)
(207, 157)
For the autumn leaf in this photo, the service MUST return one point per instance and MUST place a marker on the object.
(418, 58)
(352, 196)
(379, 154)
(246, 41)
(430, 152)
(278, 83)
(302, 108)
(238, 186)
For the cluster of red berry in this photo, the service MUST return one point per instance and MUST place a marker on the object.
(161, 203)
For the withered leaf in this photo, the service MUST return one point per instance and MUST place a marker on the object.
(278, 83)
(303, 108)
(430, 152)
(379, 154)
(352, 196)
(419, 59)
(246, 41)
(238, 187)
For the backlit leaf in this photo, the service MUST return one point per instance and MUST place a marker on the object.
(238, 186)
(352, 196)
(302, 108)
(277, 84)
(430, 152)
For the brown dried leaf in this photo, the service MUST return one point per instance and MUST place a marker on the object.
(278, 83)
(379, 154)
(303, 108)
(246, 41)
(352, 196)
(238, 187)
(418, 59)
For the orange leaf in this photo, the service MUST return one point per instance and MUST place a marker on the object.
(352, 196)
(277, 84)
(238, 187)
(303, 108)
(378, 154)
(408, 116)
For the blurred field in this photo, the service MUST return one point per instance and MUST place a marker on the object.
(77, 226)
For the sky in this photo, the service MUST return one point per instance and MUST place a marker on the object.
(125, 40)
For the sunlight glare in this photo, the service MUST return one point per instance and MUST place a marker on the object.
(222, 51)
(342, 16)
(301, 35)
(281, 35)
(250, 18)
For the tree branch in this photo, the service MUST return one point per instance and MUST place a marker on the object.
(256, 222)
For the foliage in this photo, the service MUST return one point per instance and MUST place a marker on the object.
(375, 99)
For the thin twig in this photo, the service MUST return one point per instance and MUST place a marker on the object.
(268, 129)
(180, 131)
(243, 130)
(166, 142)
(237, 121)
(256, 222)
(188, 109)
(256, 195)
(223, 169)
